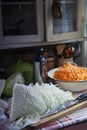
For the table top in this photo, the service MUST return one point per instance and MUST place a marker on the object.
(76, 117)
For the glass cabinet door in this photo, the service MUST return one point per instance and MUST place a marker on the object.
(22, 21)
(64, 19)
(85, 18)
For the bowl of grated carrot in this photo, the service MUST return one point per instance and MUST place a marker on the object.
(70, 77)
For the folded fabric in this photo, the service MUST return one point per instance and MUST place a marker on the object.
(74, 118)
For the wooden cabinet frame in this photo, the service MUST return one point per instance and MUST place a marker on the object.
(50, 37)
(25, 39)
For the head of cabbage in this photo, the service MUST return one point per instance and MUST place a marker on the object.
(9, 83)
(22, 67)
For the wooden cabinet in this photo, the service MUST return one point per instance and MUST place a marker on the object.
(21, 22)
(25, 23)
(69, 24)
(85, 25)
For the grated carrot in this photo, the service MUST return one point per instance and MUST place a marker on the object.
(70, 72)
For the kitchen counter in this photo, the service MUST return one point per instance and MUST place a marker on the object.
(77, 121)
(78, 126)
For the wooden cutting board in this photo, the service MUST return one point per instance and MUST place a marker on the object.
(57, 116)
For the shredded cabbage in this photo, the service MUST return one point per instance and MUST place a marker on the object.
(36, 99)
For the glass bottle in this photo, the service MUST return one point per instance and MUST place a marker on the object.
(40, 66)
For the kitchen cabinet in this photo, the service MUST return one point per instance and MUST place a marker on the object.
(84, 47)
(21, 21)
(26, 23)
(69, 24)
(85, 18)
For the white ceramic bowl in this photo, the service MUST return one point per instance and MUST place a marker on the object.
(73, 86)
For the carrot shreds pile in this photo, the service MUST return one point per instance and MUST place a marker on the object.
(70, 72)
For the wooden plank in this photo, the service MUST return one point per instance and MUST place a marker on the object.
(58, 115)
